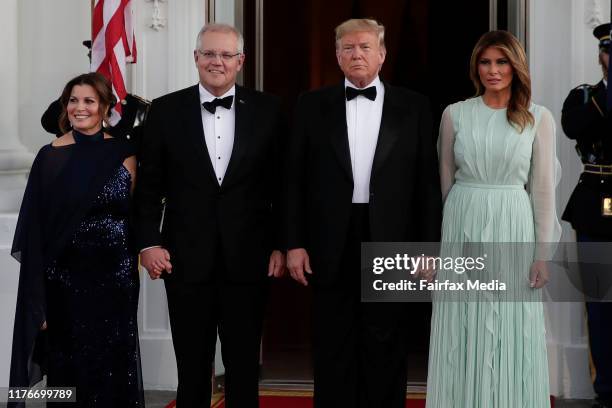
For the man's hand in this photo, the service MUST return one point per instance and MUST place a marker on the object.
(298, 263)
(276, 267)
(538, 274)
(156, 260)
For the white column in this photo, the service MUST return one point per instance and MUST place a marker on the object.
(563, 55)
(166, 31)
(15, 160)
(185, 19)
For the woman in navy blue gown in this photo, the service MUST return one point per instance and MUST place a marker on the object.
(76, 316)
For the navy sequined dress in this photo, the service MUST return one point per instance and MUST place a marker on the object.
(92, 301)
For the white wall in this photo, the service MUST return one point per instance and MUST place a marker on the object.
(165, 64)
(50, 53)
(224, 12)
(9, 268)
(563, 54)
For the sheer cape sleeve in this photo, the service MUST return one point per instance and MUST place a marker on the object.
(446, 155)
(62, 185)
(544, 176)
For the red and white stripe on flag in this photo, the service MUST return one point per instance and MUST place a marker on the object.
(113, 45)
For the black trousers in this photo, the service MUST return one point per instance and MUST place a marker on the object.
(197, 312)
(597, 282)
(359, 349)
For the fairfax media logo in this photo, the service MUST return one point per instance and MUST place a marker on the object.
(439, 286)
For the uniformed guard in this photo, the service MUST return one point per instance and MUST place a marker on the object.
(587, 120)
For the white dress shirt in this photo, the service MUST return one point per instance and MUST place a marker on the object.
(219, 131)
(363, 124)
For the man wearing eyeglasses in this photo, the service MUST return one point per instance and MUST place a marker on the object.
(362, 167)
(212, 152)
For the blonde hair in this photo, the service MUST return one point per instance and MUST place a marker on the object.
(518, 107)
(361, 24)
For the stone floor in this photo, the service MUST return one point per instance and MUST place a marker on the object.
(159, 399)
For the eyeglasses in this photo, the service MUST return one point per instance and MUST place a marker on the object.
(210, 55)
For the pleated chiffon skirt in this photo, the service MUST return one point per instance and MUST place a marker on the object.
(487, 348)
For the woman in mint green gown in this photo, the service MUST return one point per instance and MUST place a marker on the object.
(498, 174)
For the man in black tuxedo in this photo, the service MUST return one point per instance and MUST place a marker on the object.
(212, 152)
(361, 167)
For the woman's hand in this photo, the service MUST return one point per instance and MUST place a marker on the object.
(426, 269)
(538, 274)
(156, 260)
(44, 326)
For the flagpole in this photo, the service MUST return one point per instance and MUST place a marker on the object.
(91, 20)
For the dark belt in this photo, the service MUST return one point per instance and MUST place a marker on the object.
(600, 169)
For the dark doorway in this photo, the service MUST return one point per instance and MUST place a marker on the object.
(428, 50)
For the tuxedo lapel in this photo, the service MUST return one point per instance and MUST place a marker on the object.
(389, 129)
(195, 131)
(337, 125)
(244, 114)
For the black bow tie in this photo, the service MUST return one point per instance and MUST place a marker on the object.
(224, 102)
(352, 93)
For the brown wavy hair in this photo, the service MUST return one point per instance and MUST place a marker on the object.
(101, 86)
(517, 111)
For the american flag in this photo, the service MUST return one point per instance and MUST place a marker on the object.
(113, 45)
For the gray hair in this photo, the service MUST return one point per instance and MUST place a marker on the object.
(221, 28)
(361, 24)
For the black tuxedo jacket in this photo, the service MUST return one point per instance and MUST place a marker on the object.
(204, 222)
(405, 200)
(584, 119)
